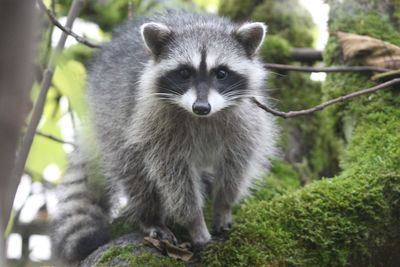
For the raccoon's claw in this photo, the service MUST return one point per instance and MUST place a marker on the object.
(162, 233)
(198, 246)
(222, 221)
(221, 229)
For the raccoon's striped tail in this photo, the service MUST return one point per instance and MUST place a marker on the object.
(81, 223)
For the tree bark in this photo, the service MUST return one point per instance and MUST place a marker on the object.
(16, 65)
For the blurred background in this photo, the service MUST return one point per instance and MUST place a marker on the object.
(291, 24)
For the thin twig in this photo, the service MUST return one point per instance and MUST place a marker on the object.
(49, 40)
(44, 87)
(66, 29)
(291, 114)
(53, 138)
(386, 75)
(324, 69)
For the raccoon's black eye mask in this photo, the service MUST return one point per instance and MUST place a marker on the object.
(221, 78)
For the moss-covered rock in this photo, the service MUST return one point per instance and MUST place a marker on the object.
(135, 255)
(126, 251)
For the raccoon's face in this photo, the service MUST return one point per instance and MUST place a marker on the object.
(205, 68)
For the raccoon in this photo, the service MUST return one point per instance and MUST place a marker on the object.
(169, 98)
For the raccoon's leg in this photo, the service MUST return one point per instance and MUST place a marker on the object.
(180, 192)
(224, 198)
(80, 224)
(228, 187)
(145, 208)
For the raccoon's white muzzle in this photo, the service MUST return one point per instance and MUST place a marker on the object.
(202, 107)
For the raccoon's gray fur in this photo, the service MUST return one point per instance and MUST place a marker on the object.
(169, 98)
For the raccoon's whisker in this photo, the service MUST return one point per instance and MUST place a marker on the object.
(175, 84)
(242, 94)
(233, 89)
(172, 92)
(236, 85)
(238, 82)
(276, 73)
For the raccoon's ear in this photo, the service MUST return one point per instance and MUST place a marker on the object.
(155, 36)
(251, 36)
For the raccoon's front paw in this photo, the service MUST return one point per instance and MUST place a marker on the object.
(199, 243)
(161, 233)
(222, 223)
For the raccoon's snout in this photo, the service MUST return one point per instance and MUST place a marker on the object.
(201, 107)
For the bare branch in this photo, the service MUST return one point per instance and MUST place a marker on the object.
(44, 87)
(66, 29)
(53, 138)
(386, 75)
(306, 54)
(291, 114)
(324, 69)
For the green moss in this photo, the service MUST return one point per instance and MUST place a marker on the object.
(375, 150)
(282, 179)
(351, 17)
(135, 255)
(320, 225)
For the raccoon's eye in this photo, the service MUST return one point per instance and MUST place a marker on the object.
(184, 73)
(221, 74)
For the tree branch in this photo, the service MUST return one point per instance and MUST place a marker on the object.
(291, 114)
(53, 138)
(324, 69)
(66, 29)
(306, 55)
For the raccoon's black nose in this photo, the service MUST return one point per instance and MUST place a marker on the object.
(201, 108)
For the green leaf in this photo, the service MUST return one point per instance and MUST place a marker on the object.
(69, 79)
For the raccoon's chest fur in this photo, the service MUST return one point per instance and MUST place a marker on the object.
(169, 137)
